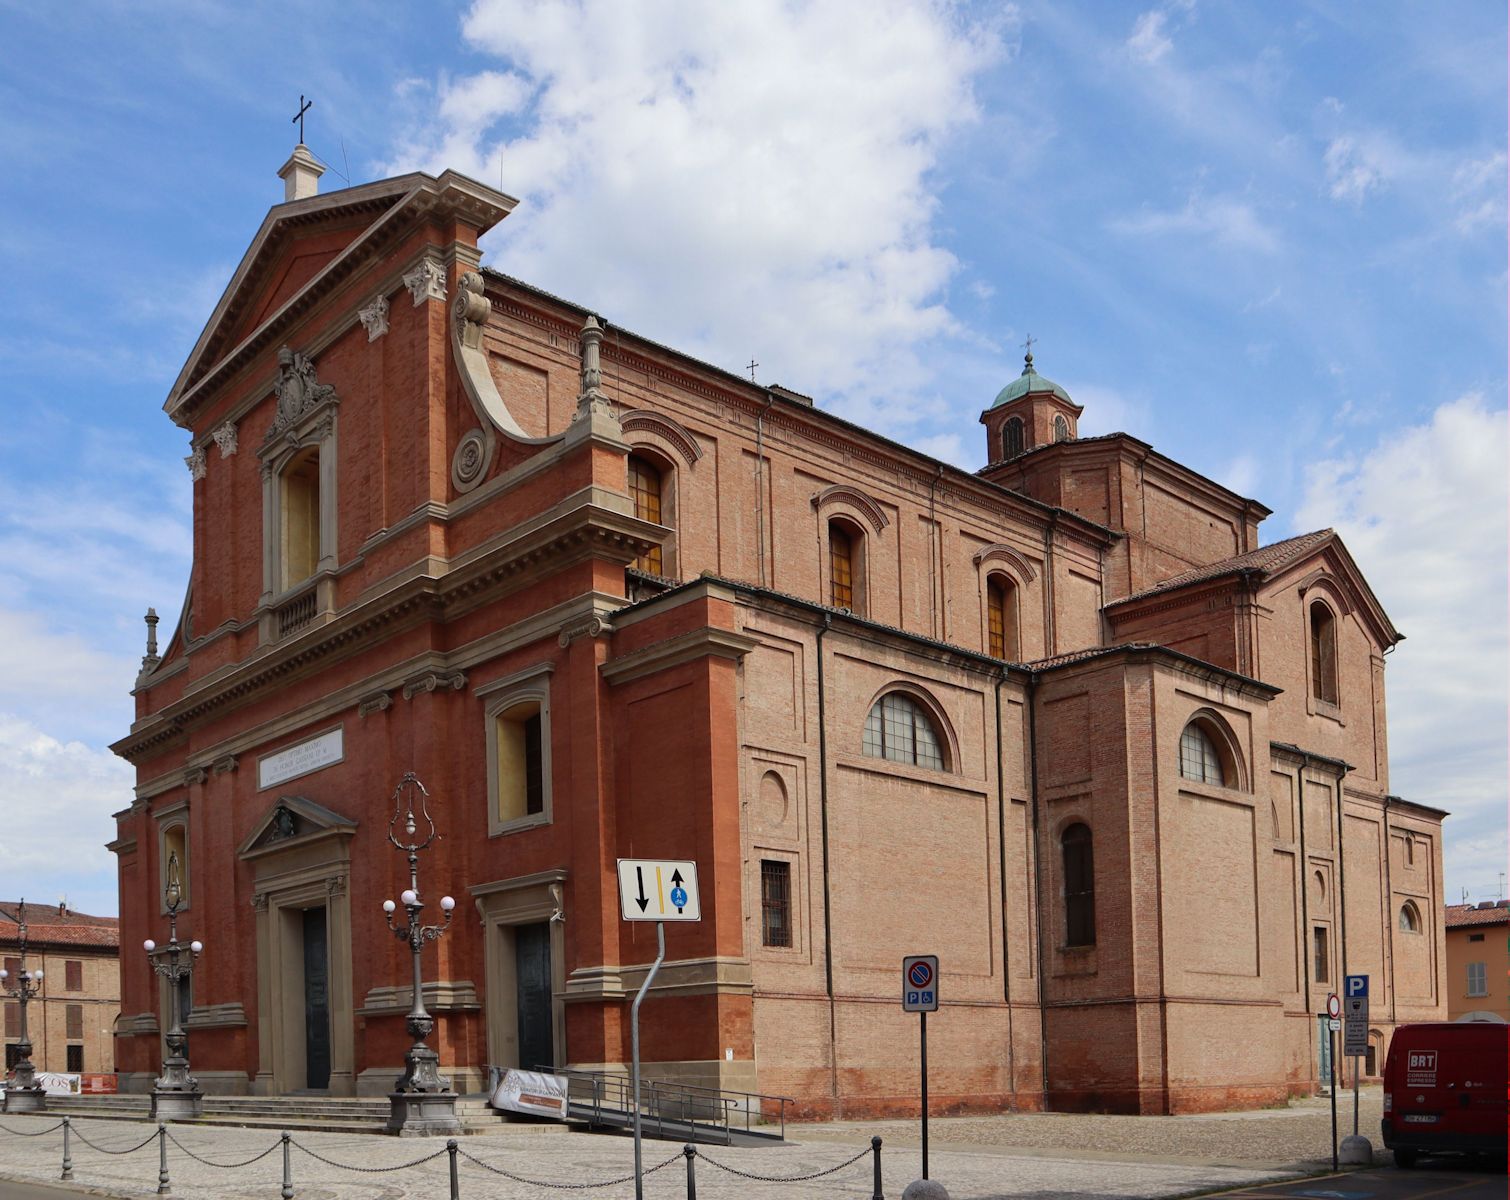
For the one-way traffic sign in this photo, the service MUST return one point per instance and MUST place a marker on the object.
(658, 889)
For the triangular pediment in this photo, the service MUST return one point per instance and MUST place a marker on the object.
(291, 821)
(306, 247)
(1330, 568)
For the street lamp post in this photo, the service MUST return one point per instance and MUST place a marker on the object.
(175, 1094)
(422, 1103)
(25, 1094)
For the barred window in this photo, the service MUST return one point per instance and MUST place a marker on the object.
(898, 729)
(645, 490)
(1319, 954)
(1198, 757)
(75, 1060)
(73, 1017)
(1079, 886)
(775, 902)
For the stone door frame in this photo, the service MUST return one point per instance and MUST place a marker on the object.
(502, 905)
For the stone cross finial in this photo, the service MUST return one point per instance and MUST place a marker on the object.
(151, 619)
(592, 401)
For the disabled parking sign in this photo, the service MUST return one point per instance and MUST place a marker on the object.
(920, 983)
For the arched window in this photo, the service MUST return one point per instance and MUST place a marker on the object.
(1199, 759)
(898, 728)
(1079, 886)
(1011, 438)
(300, 535)
(1061, 429)
(1001, 617)
(1410, 918)
(845, 546)
(1323, 653)
(645, 490)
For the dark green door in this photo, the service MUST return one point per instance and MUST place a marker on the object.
(316, 1001)
(532, 950)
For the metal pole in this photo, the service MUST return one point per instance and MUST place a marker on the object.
(455, 1181)
(924, 1017)
(690, 1154)
(875, 1169)
(1331, 1039)
(634, 1052)
(1355, 1095)
(67, 1157)
(164, 1188)
(288, 1176)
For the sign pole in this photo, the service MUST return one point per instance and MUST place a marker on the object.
(1356, 1060)
(634, 1052)
(923, 1018)
(1331, 1043)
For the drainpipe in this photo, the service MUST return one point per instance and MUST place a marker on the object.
(935, 553)
(1307, 966)
(828, 927)
(1389, 914)
(770, 399)
(1043, 1020)
(1342, 899)
(1001, 871)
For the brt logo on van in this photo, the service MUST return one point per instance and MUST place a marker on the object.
(1421, 1068)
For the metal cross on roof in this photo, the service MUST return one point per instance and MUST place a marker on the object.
(304, 107)
(751, 369)
(1028, 345)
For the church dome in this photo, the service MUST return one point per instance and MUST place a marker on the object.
(1029, 381)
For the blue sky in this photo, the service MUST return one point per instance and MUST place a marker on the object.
(1269, 239)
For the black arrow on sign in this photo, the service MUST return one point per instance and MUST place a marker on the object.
(676, 877)
(642, 900)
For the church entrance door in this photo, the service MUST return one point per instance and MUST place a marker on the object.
(532, 949)
(316, 1000)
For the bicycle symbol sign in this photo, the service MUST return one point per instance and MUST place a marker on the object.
(920, 983)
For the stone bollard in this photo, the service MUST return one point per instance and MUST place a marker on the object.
(925, 1189)
(1356, 1151)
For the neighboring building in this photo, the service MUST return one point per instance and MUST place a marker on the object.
(1064, 721)
(72, 1019)
(1478, 959)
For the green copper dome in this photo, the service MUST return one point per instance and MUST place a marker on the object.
(1029, 381)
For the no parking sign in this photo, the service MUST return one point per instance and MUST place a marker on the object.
(920, 983)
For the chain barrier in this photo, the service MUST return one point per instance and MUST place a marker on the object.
(79, 1133)
(565, 1187)
(224, 1166)
(330, 1162)
(31, 1133)
(849, 1162)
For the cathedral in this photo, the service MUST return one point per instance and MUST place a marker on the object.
(1066, 721)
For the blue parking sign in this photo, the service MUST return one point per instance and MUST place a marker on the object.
(1354, 986)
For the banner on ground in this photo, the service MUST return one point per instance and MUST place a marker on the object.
(531, 1092)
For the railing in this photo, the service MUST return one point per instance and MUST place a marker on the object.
(295, 614)
(602, 1098)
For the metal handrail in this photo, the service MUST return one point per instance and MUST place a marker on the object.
(662, 1098)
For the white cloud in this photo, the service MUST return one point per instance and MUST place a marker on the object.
(739, 180)
(1111, 410)
(1224, 220)
(55, 809)
(1352, 170)
(1424, 514)
(1148, 41)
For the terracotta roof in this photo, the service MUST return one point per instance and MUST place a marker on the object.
(1059, 660)
(1459, 915)
(1095, 437)
(1266, 560)
(46, 926)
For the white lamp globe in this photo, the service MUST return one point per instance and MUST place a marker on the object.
(36, 974)
(149, 945)
(409, 897)
(4, 974)
(196, 946)
(389, 906)
(447, 904)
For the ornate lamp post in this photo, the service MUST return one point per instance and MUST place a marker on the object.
(422, 1103)
(176, 1093)
(25, 1094)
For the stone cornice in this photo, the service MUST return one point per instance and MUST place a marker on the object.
(683, 648)
(509, 562)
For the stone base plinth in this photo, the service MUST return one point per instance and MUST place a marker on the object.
(423, 1114)
(24, 1100)
(176, 1106)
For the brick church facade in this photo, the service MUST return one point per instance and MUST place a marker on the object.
(1064, 721)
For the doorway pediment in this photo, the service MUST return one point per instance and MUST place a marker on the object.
(292, 821)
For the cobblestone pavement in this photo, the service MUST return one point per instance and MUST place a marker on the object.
(1298, 1136)
(367, 1170)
